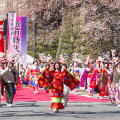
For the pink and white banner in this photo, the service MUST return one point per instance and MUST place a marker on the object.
(18, 43)
(11, 22)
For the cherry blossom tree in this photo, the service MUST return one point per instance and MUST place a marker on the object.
(93, 24)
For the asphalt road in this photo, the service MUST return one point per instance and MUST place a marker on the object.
(74, 111)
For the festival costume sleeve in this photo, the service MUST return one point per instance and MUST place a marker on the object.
(93, 79)
(33, 83)
(44, 78)
(69, 79)
(83, 78)
(103, 76)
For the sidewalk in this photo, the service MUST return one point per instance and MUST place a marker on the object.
(82, 92)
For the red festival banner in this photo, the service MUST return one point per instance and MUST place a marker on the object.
(1, 37)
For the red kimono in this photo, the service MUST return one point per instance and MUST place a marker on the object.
(55, 82)
(56, 89)
(104, 83)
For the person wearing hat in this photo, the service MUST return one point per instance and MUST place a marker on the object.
(116, 80)
(35, 72)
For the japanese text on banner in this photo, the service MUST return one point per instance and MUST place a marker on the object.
(17, 37)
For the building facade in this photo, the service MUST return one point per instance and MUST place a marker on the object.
(2, 9)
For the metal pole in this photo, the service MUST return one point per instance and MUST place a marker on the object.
(73, 59)
(34, 40)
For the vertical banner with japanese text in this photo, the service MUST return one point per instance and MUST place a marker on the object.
(19, 40)
(11, 27)
(24, 40)
(1, 37)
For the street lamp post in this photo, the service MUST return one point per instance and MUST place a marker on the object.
(37, 24)
(35, 30)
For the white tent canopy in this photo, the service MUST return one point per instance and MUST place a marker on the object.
(29, 59)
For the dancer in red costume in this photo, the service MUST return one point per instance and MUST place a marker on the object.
(56, 89)
(91, 79)
(111, 71)
(35, 72)
(56, 84)
(104, 82)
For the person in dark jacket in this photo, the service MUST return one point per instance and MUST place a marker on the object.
(9, 79)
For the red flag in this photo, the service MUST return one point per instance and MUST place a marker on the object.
(70, 80)
(1, 37)
(44, 78)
